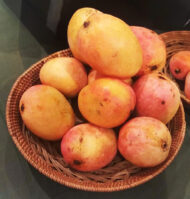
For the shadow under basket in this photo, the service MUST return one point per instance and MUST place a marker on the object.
(45, 156)
(176, 41)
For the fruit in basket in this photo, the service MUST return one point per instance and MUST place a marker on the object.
(66, 74)
(93, 75)
(153, 49)
(144, 141)
(106, 102)
(46, 112)
(86, 147)
(108, 45)
(187, 86)
(156, 96)
(180, 64)
(76, 21)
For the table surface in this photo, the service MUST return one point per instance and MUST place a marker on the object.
(22, 45)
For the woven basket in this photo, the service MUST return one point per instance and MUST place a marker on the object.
(46, 157)
(176, 41)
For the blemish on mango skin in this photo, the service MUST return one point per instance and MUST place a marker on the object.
(163, 102)
(81, 140)
(101, 104)
(177, 70)
(86, 24)
(164, 145)
(22, 108)
(152, 68)
(77, 162)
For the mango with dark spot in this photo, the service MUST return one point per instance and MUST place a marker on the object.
(153, 49)
(92, 147)
(180, 64)
(107, 44)
(46, 112)
(144, 141)
(157, 96)
(106, 102)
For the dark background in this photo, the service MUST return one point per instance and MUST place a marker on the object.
(159, 15)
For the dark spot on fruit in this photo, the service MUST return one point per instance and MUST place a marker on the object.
(81, 139)
(77, 162)
(86, 24)
(98, 112)
(153, 67)
(22, 108)
(105, 99)
(177, 71)
(163, 102)
(164, 145)
(161, 77)
(160, 73)
(173, 95)
(101, 104)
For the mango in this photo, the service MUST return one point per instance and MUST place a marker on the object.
(153, 50)
(108, 45)
(66, 74)
(106, 102)
(86, 147)
(144, 141)
(180, 64)
(157, 96)
(46, 112)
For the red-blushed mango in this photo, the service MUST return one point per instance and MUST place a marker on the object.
(144, 141)
(106, 102)
(157, 96)
(187, 86)
(93, 75)
(46, 112)
(76, 21)
(180, 64)
(153, 49)
(66, 74)
(86, 147)
(108, 45)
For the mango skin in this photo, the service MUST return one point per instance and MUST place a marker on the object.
(187, 86)
(144, 141)
(106, 102)
(108, 45)
(93, 75)
(66, 74)
(76, 21)
(86, 147)
(46, 112)
(180, 64)
(157, 96)
(153, 49)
